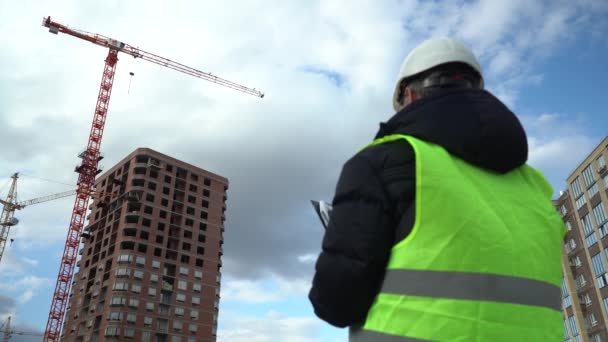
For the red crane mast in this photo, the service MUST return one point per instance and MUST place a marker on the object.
(87, 170)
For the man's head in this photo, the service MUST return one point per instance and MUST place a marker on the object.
(435, 65)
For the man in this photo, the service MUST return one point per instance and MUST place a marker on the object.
(440, 231)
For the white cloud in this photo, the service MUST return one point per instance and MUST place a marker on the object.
(266, 290)
(271, 327)
(307, 258)
(24, 288)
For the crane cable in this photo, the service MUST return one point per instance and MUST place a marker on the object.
(47, 180)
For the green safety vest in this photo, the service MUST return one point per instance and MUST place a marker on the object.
(482, 262)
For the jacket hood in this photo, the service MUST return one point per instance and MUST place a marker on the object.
(471, 124)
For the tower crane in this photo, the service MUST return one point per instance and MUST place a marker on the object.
(87, 170)
(7, 218)
(8, 332)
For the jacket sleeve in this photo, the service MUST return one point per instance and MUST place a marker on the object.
(358, 240)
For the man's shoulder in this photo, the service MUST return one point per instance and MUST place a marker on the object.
(386, 155)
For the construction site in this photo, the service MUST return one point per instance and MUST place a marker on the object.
(152, 220)
(165, 196)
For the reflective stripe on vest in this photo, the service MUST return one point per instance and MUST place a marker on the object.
(368, 335)
(472, 286)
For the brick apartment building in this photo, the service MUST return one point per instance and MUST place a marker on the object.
(150, 261)
(583, 208)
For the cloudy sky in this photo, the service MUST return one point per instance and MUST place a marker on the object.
(327, 68)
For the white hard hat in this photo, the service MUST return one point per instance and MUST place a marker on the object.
(431, 53)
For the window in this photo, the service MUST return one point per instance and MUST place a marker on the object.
(196, 300)
(180, 297)
(193, 187)
(136, 288)
(147, 321)
(163, 214)
(138, 182)
(118, 301)
(134, 302)
(151, 291)
(125, 258)
(204, 214)
(153, 278)
(138, 275)
(206, 193)
(123, 272)
(198, 274)
(590, 237)
(191, 199)
(168, 179)
(183, 270)
(148, 210)
(140, 261)
(580, 202)
(115, 316)
(588, 176)
(194, 314)
(587, 299)
(169, 168)
(177, 325)
(563, 209)
(149, 306)
(179, 311)
(205, 204)
(176, 339)
(189, 222)
(592, 319)
(598, 267)
(151, 185)
(593, 190)
(581, 281)
(131, 318)
(112, 331)
(120, 286)
(573, 327)
(595, 338)
(207, 182)
(166, 190)
(155, 264)
(190, 211)
(129, 332)
(191, 339)
(164, 202)
(182, 285)
(601, 162)
(572, 244)
(606, 181)
(196, 287)
(600, 214)
(193, 328)
(567, 302)
(576, 188)
(568, 225)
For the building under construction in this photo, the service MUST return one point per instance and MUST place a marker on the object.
(149, 267)
(583, 208)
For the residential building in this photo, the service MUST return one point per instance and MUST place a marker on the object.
(584, 208)
(149, 267)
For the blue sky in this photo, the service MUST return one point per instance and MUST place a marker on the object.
(327, 68)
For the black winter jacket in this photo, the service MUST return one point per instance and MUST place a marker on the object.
(373, 207)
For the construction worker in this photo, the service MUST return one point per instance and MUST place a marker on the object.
(440, 231)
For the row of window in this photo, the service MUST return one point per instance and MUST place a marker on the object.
(131, 317)
(183, 270)
(134, 303)
(146, 335)
(125, 273)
